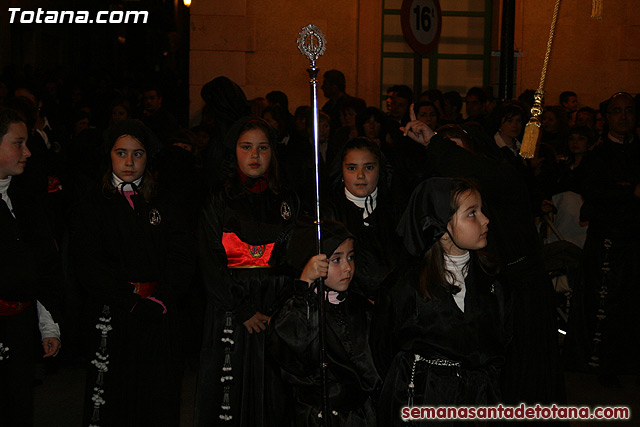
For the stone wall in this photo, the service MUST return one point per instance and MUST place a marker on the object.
(593, 58)
(253, 42)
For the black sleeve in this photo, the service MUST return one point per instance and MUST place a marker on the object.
(31, 267)
(382, 337)
(179, 258)
(293, 335)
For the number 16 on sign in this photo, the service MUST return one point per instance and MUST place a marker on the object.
(421, 24)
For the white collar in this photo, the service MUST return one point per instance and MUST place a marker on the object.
(457, 260)
(4, 185)
(617, 140)
(117, 182)
(367, 203)
(501, 143)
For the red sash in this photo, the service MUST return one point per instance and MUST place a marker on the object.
(8, 308)
(244, 255)
(144, 289)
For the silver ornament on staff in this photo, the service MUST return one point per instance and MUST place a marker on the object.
(311, 43)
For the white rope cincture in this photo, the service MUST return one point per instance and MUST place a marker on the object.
(101, 362)
(411, 389)
(4, 351)
(226, 377)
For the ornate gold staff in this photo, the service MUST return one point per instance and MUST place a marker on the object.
(311, 43)
(532, 130)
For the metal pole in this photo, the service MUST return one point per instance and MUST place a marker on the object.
(505, 85)
(311, 43)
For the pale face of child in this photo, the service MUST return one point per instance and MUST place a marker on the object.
(128, 158)
(13, 150)
(360, 171)
(341, 267)
(469, 226)
(427, 115)
(253, 152)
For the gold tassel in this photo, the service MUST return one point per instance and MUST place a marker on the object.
(532, 130)
(596, 9)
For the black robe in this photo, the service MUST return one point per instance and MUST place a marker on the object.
(378, 246)
(254, 395)
(113, 246)
(30, 271)
(603, 326)
(532, 371)
(352, 379)
(405, 325)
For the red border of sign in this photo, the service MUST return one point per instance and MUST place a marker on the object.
(405, 16)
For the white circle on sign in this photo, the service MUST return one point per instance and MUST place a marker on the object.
(421, 24)
(424, 20)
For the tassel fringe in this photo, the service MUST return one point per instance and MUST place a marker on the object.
(596, 9)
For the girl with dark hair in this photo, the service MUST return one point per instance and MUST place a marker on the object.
(134, 256)
(294, 338)
(438, 334)
(243, 233)
(372, 123)
(363, 203)
(428, 113)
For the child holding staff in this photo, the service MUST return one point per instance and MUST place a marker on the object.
(294, 341)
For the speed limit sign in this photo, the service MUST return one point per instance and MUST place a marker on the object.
(421, 24)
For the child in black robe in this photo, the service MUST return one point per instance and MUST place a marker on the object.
(134, 257)
(30, 276)
(294, 341)
(438, 335)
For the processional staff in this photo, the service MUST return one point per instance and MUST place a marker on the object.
(311, 43)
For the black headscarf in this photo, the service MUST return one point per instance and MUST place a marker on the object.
(226, 100)
(427, 214)
(227, 103)
(136, 129)
(302, 245)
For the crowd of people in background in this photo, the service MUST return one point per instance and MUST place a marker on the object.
(136, 229)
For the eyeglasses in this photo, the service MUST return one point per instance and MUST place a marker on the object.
(618, 110)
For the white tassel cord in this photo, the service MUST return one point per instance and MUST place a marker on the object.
(226, 377)
(101, 362)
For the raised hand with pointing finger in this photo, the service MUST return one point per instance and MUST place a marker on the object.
(417, 130)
